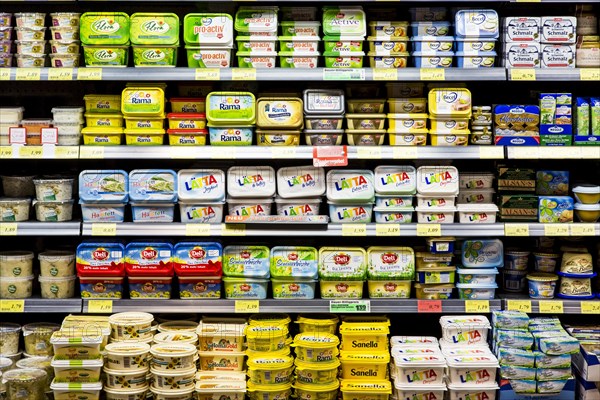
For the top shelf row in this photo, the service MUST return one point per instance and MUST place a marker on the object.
(308, 1)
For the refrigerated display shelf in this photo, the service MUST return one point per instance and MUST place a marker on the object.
(37, 305)
(40, 228)
(550, 306)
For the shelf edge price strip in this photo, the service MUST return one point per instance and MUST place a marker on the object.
(522, 74)
(354, 229)
(385, 74)
(9, 228)
(429, 306)
(551, 307)
(28, 74)
(247, 306)
(349, 306)
(556, 230)
(589, 74)
(89, 74)
(429, 230)
(31, 152)
(100, 306)
(368, 153)
(60, 74)
(208, 74)
(233, 229)
(197, 229)
(477, 306)
(516, 229)
(590, 307)
(387, 229)
(432, 74)
(519, 305)
(12, 306)
(4, 74)
(243, 74)
(580, 229)
(104, 229)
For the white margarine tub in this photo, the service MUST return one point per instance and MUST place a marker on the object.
(207, 185)
(410, 392)
(420, 369)
(425, 341)
(473, 370)
(461, 392)
(465, 330)
(300, 182)
(396, 180)
(437, 180)
(350, 186)
(251, 182)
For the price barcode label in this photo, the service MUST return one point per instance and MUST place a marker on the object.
(4, 74)
(551, 307)
(100, 306)
(590, 307)
(385, 74)
(6, 152)
(354, 230)
(9, 228)
(583, 229)
(228, 153)
(405, 152)
(243, 74)
(233, 230)
(66, 152)
(208, 74)
(96, 152)
(519, 305)
(247, 306)
(29, 74)
(197, 229)
(491, 152)
(89, 74)
(429, 306)
(589, 74)
(433, 74)
(516, 229)
(522, 74)
(556, 229)
(387, 229)
(429, 230)
(104, 229)
(343, 74)
(283, 152)
(350, 306)
(368, 152)
(477, 306)
(12, 306)
(31, 152)
(60, 74)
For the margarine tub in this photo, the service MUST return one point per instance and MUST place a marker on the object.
(325, 323)
(363, 337)
(361, 366)
(438, 180)
(316, 347)
(218, 334)
(143, 101)
(154, 56)
(420, 369)
(206, 185)
(306, 391)
(269, 319)
(102, 136)
(473, 370)
(217, 389)
(103, 28)
(450, 102)
(251, 182)
(395, 180)
(102, 103)
(277, 138)
(77, 371)
(266, 338)
(131, 325)
(127, 356)
(465, 330)
(347, 186)
(256, 20)
(318, 373)
(173, 356)
(230, 108)
(154, 28)
(125, 379)
(390, 263)
(301, 182)
(294, 262)
(319, 102)
(82, 391)
(477, 23)
(360, 390)
(144, 137)
(249, 261)
(269, 370)
(342, 263)
(280, 391)
(279, 113)
(68, 345)
(344, 21)
(208, 29)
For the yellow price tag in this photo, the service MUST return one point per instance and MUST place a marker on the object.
(9, 228)
(66, 152)
(405, 152)
(491, 152)
(89, 74)
(6, 152)
(516, 229)
(433, 74)
(12, 306)
(100, 306)
(519, 305)
(589, 74)
(29, 74)
(556, 229)
(429, 230)
(60, 74)
(590, 307)
(551, 307)
(91, 152)
(368, 152)
(223, 152)
(243, 74)
(354, 229)
(31, 152)
(477, 306)
(208, 74)
(4, 74)
(583, 229)
(233, 230)
(590, 152)
(197, 229)
(247, 306)
(104, 229)
(385, 74)
(522, 74)
(387, 229)
(283, 152)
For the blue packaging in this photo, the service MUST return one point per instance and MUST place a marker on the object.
(474, 45)
(510, 319)
(552, 183)
(477, 24)
(515, 372)
(432, 44)
(430, 28)
(198, 259)
(149, 287)
(102, 212)
(521, 386)
(547, 361)
(440, 60)
(152, 212)
(553, 374)
(552, 386)
(108, 186)
(559, 345)
(153, 185)
(149, 258)
(516, 357)
(100, 258)
(555, 209)
(482, 253)
(481, 60)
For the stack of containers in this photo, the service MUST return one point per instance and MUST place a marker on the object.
(481, 125)
(476, 198)
(208, 40)
(476, 32)
(146, 103)
(558, 37)
(231, 117)
(521, 42)
(535, 354)
(324, 116)
(152, 194)
(388, 44)
(69, 122)
(199, 268)
(366, 124)
(294, 272)
(279, 121)
(127, 369)
(407, 119)
(201, 194)
(33, 127)
(149, 268)
(65, 52)
(576, 273)
(270, 365)
(54, 199)
(187, 122)
(472, 367)
(105, 124)
(103, 195)
(481, 259)
(449, 111)
(57, 274)
(344, 29)
(300, 190)
(435, 273)
(587, 198)
(431, 41)
(221, 352)
(30, 43)
(390, 271)
(10, 117)
(365, 354)
(5, 40)
(246, 271)
(350, 195)
(395, 187)
(299, 42)
(437, 188)
(155, 39)
(105, 39)
(256, 38)
(316, 333)
(417, 368)
(342, 272)
(250, 191)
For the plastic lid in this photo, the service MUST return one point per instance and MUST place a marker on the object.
(470, 321)
(542, 277)
(270, 362)
(387, 39)
(479, 207)
(478, 54)
(57, 279)
(587, 207)
(477, 271)
(419, 388)
(173, 349)
(56, 255)
(435, 209)
(127, 348)
(438, 54)
(428, 38)
(68, 109)
(98, 362)
(588, 189)
(20, 255)
(420, 360)
(126, 318)
(319, 388)
(186, 116)
(25, 375)
(8, 327)
(472, 361)
(477, 285)
(319, 366)
(345, 54)
(39, 327)
(410, 340)
(338, 38)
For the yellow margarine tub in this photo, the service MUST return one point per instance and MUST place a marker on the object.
(366, 319)
(187, 137)
(364, 366)
(326, 323)
(279, 113)
(277, 138)
(104, 119)
(307, 391)
(221, 334)
(230, 108)
(269, 392)
(145, 123)
(266, 337)
(221, 361)
(316, 347)
(94, 325)
(143, 101)
(317, 373)
(270, 369)
(102, 103)
(450, 102)
(364, 337)
(269, 319)
(284, 351)
(102, 136)
(144, 137)
(358, 390)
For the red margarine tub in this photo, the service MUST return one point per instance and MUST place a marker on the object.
(149, 259)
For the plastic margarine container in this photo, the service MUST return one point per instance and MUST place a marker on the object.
(351, 185)
(251, 182)
(473, 370)
(143, 101)
(420, 369)
(230, 108)
(201, 184)
(395, 180)
(438, 180)
(465, 330)
(301, 182)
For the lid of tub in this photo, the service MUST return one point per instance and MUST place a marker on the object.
(97, 362)
(394, 209)
(299, 53)
(465, 321)
(201, 184)
(75, 387)
(354, 386)
(218, 386)
(324, 132)
(458, 349)
(478, 207)
(251, 182)
(345, 54)
(477, 285)
(542, 277)
(349, 185)
(357, 356)
(587, 207)
(153, 185)
(419, 388)
(478, 54)
(427, 38)
(420, 360)
(428, 54)
(104, 185)
(587, 189)
(491, 386)
(324, 101)
(477, 271)
(301, 182)
(232, 200)
(280, 200)
(483, 253)
(221, 376)
(270, 361)
(472, 361)
(401, 351)
(419, 340)
(395, 180)
(437, 180)
(435, 209)
(430, 23)
(64, 337)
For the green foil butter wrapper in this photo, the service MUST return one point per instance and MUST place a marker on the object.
(106, 56)
(155, 56)
(157, 28)
(104, 28)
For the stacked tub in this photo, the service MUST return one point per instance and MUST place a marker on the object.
(127, 368)
(324, 116)
(30, 43)
(521, 42)
(481, 259)
(472, 367)
(105, 39)
(149, 269)
(152, 194)
(449, 111)
(208, 40)
(69, 122)
(417, 368)
(101, 269)
(476, 32)
(54, 199)
(395, 187)
(105, 108)
(435, 272)
(146, 103)
(279, 121)
(344, 29)
(187, 122)
(558, 37)
(155, 39)
(476, 198)
(201, 194)
(300, 190)
(390, 272)
(365, 122)
(407, 120)
(231, 117)
(481, 125)
(103, 195)
(294, 272)
(10, 117)
(437, 188)
(6, 44)
(65, 52)
(199, 267)
(350, 195)
(299, 43)
(256, 38)
(250, 191)
(388, 44)
(246, 270)
(431, 40)
(342, 272)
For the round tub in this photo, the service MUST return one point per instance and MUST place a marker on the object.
(173, 356)
(269, 392)
(316, 347)
(545, 262)
(270, 370)
(125, 379)
(542, 285)
(131, 325)
(127, 356)
(316, 373)
(307, 391)
(16, 264)
(57, 288)
(174, 380)
(56, 263)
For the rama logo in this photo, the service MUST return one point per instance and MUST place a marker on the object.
(100, 254)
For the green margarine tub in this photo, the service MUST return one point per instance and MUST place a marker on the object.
(155, 56)
(231, 108)
(104, 28)
(208, 30)
(154, 29)
(106, 56)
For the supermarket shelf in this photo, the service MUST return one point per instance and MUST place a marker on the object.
(535, 229)
(40, 228)
(553, 74)
(37, 305)
(46, 152)
(553, 306)
(553, 152)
